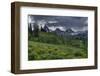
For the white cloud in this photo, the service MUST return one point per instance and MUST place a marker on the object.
(53, 28)
(52, 21)
(31, 19)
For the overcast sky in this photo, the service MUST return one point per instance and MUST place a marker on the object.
(64, 22)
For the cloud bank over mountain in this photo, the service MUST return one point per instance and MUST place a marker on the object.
(61, 22)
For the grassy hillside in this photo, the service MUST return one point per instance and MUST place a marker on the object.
(38, 51)
(50, 46)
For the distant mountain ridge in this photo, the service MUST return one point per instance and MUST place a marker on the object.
(62, 31)
(67, 32)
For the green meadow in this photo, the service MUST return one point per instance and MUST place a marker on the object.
(48, 46)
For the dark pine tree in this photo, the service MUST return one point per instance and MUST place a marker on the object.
(30, 28)
(36, 30)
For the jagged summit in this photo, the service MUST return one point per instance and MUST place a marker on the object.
(69, 30)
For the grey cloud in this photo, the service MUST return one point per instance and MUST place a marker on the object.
(64, 21)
